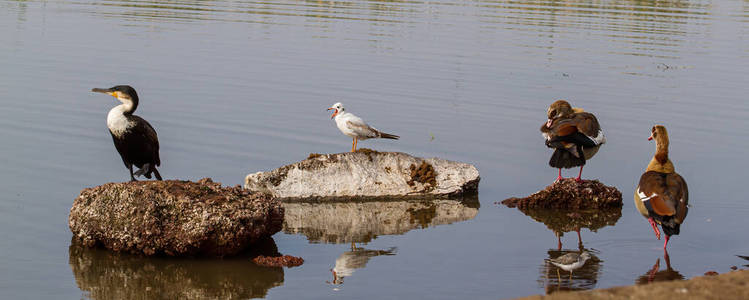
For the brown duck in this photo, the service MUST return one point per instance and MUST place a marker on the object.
(574, 134)
(662, 195)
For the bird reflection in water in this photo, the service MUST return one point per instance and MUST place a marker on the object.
(655, 274)
(357, 258)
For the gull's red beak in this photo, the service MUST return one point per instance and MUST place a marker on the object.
(334, 113)
(548, 123)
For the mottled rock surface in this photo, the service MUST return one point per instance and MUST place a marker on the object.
(569, 194)
(366, 174)
(278, 261)
(345, 222)
(176, 218)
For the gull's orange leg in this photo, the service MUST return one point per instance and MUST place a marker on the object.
(353, 145)
(356, 142)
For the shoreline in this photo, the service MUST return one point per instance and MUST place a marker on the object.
(730, 285)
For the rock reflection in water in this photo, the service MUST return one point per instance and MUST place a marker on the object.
(584, 278)
(107, 275)
(561, 221)
(348, 222)
(357, 258)
(655, 274)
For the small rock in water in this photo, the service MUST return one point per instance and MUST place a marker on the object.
(711, 273)
(175, 218)
(569, 194)
(734, 268)
(278, 261)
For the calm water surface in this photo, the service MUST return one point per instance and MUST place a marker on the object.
(234, 87)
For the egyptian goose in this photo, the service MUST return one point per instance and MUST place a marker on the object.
(662, 195)
(353, 126)
(574, 134)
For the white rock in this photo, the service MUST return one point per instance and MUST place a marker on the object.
(366, 175)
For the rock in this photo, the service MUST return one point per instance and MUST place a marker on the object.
(176, 218)
(711, 273)
(102, 274)
(345, 222)
(278, 261)
(568, 194)
(366, 174)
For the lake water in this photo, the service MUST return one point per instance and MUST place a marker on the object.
(234, 87)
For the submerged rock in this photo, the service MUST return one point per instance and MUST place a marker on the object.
(366, 174)
(569, 194)
(346, 222)
(176, 218)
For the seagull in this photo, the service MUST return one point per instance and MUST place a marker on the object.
(570, 261)
(355, 127)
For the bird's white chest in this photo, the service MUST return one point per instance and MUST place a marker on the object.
(573, 266)
(341, 122)
(117, 122)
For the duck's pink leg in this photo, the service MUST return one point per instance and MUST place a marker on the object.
(579, 174)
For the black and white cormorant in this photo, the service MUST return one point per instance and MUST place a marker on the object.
(134, 138)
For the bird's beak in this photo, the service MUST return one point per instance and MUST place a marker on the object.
(548, 123)
(105, 91)
(334, 113)
(650, 138)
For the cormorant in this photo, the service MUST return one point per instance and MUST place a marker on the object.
(134, 138)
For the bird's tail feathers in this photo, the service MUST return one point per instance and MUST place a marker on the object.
(143, 171)
(671, 228)
(146, 171)
(563, 158)
(388, 136)
(156, 172)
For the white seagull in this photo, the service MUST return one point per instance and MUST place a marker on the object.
(355, 127)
